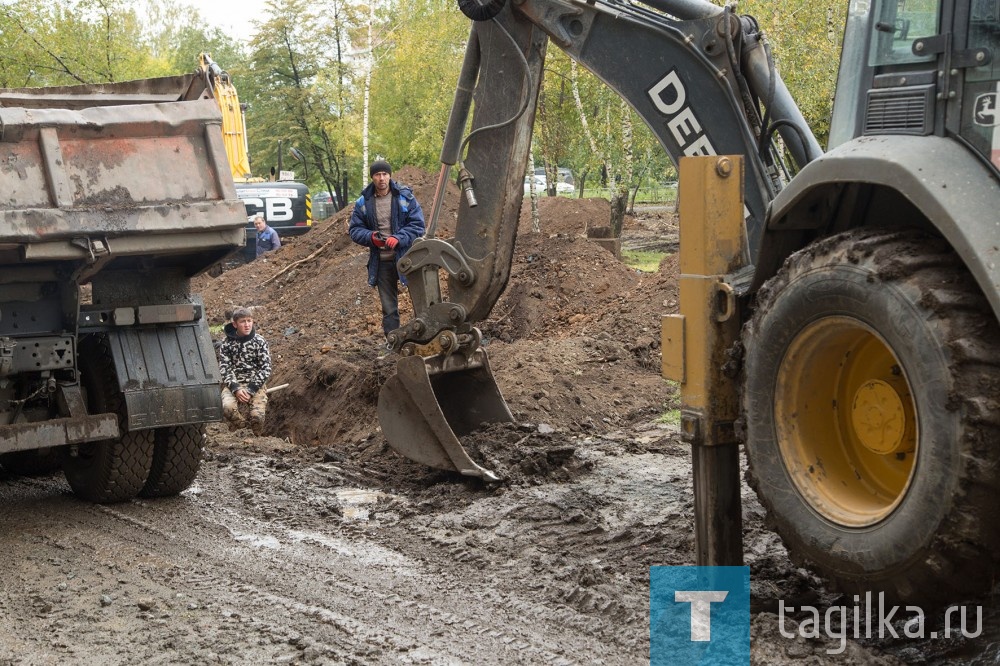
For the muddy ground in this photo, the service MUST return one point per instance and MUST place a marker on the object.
(317, 543)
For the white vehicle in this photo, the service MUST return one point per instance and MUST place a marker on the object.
(541, 186)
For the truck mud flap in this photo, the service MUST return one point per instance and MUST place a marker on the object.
(169, 375)
(430, 402)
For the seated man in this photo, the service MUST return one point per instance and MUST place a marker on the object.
(245, 364)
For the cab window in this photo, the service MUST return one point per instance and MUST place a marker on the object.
(984, 30)
(899, 23)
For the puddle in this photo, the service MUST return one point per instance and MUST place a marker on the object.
(363, 552)
(258, 540)
(357, 503)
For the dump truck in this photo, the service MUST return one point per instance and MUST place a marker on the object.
(863, 294)
(112, 197)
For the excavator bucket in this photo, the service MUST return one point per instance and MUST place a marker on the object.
(430, 402)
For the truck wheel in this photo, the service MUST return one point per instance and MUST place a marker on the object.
(176, 458)
(871, 376)
(110, 470)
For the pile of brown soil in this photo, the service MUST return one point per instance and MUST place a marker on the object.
(574, 340)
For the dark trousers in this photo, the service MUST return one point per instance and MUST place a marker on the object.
(388, 294)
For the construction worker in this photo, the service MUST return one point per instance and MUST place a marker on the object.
(386, 219)
(267, 238)
(245, 365)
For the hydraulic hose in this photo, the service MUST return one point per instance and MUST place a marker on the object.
(480, 12)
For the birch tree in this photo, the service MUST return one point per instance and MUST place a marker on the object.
(618, 172)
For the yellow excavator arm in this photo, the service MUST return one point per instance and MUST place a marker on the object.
(234, 131)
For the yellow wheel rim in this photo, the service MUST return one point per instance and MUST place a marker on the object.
(846, 423)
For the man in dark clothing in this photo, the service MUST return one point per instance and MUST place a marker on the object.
(387, 219)
(245, 365)
(267, 238)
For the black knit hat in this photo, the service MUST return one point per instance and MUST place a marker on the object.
(379, 165)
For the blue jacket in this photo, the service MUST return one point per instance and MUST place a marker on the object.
(267, 240)
(407, 223)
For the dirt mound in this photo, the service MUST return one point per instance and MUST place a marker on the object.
(574, 340)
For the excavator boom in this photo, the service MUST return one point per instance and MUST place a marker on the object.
(698, 75)
(234, 131)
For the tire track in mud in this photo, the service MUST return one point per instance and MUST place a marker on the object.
(277, 590)
(290, 556)
(578, 613)
(552, 619)
(472, 566)
(589, 612)
(239, 601)
(366, 637)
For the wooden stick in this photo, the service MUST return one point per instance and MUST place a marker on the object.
(296, 263)
(276, 388)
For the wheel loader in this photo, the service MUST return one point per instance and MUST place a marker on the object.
(864, 281)
(112, 197)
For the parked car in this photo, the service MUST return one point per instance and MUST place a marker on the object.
(540, 185)
(565, 175)
(323, 206)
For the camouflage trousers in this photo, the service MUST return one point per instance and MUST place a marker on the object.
(238, 413)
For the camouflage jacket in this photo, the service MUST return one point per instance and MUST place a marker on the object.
(244, 362)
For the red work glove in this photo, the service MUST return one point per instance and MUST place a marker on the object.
(391, 242)
(377, 239)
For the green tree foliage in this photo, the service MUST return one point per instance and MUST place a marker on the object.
(557, 132)
(66, 42)
(302, 76)
(416, 68)
(297, 89)
(53, 42)
(176, 36)
(805, 38)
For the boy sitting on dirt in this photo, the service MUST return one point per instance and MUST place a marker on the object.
(245, 365)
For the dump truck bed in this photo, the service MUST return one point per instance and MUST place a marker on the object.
(132, 169)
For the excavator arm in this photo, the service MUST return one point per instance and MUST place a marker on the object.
(698, 75)
(234, 131)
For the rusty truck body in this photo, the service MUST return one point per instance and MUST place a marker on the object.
(112, 197)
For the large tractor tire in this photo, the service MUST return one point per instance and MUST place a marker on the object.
(871, 384)
(110, 470)
(176, 457)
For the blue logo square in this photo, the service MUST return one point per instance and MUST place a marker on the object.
(699, 616)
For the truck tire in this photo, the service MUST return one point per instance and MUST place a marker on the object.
(110, 470)
(871, 376)
(176, 458)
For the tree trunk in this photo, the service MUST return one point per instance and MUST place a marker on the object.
(532, 197)
(367, 93)
(619, 202)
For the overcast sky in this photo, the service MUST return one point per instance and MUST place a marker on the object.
(232, 16)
